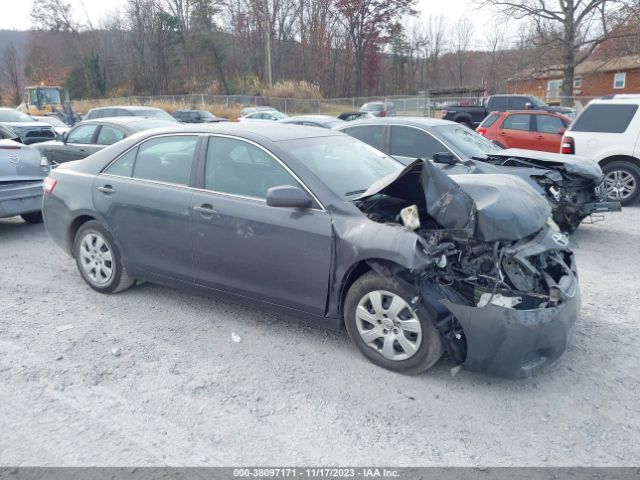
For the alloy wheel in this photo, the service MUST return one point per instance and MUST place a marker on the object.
(388, 324)
(96, 258)
(620, 184)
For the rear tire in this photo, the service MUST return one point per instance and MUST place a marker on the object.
(386, 330)
(32, 217)
(622, 181)
(99, 260)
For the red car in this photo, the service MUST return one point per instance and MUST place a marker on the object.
(526, 129)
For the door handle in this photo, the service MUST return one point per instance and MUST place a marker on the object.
(107, 189)
(503, 134)
(540, 137)
(206, 210)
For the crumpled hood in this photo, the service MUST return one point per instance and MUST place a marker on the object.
(489, 207)
(581, 166)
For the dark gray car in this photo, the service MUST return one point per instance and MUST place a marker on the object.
(573, 187)
(91, 136)
(128, 111)
(321, 226)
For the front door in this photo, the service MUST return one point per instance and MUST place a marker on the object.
(243, 246)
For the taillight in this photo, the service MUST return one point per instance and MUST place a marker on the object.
(568, 146)
(443, 113)
(383, 114)
(481, 130)
(49, 184)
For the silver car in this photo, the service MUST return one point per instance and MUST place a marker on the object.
(22, 171)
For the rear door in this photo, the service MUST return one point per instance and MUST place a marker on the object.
(515, 131)
(245, 247)
(549, 130)
(145, 198)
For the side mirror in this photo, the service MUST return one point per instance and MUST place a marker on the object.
(445, 158)
(528, 106)
(288, 196)
(561, 131)
(64, 137)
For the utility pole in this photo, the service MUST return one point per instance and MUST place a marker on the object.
(267, 43)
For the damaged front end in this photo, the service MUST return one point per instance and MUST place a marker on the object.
(574, 186)
(495, 273)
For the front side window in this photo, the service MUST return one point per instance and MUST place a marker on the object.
(82, 134)
(413, 143)
(517, 122)
(371, 134)
(166, 159)
(241, 168)
(619, 80)
(109, 135)
(549, 124)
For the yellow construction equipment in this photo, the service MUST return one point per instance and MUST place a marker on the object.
(48, 100)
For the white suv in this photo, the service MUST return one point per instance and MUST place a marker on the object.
(608, 131)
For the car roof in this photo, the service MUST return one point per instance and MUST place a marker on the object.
(541, 112)
(133, 108)
(406, 121)
(313, 117)
(132, 123)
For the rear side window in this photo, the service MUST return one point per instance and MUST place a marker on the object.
(490, 120)
(414, 143)
(166, 159)
(517, 122)
(371, 134)
(109, 135)
(123, 166)
(498, 103)
(605, 118)
(517, 103)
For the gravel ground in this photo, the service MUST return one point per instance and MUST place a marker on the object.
(153, 376)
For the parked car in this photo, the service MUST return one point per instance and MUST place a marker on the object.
(248, 110)
(379, 109)
(196, 116)
(128, 111)
(323, 121)
(7, 134)
(575, 189)
(91, 136)
(29, 130)
(262, 115)
(531, 130)
(608, 130)
(350, 116)
(307, 221)
(22, 171)
(58, 125)
(472, 116)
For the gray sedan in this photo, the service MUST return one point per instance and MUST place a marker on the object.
(323, 227)
(22, 170)
(91, 136)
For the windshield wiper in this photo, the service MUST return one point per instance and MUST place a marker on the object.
(355, 192)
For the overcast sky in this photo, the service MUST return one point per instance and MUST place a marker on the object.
(15, 13)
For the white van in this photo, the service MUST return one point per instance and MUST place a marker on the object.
(608, 131)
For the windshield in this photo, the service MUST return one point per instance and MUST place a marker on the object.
(466, 141)
(345, 165)
(49, 96)
(56, 122)
(205, 114)
(155, 113)
(11, 115)
(372, 107)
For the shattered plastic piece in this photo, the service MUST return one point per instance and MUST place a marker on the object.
(410, 217)
(235, 337)
(499, 300)
(64, 328)
(116, 352)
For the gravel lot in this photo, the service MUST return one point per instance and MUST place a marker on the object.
(152, 376)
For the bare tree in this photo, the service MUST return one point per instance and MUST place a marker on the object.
(462, 37)
(11, 71)
(53, 15)
(577, 27)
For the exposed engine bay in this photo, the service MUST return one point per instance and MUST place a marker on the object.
(574, 186)
(485, 250)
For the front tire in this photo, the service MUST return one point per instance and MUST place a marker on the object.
(32, 217)
(387, 330)
(622, 181)
(98, 259)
